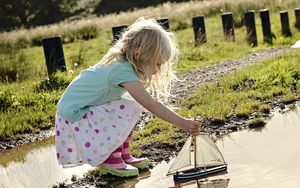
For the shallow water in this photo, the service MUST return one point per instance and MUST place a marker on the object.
(261, 158)
(34, 165)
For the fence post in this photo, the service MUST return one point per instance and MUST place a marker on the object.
(285, 25)
(228, 28)
(297, 15)
(164, 22)
(250, 27)
(54, 55)
(117, 32)
(266, 26)
(199, 29)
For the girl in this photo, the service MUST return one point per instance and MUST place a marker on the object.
(95, 116)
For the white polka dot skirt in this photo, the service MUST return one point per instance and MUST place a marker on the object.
(97, 134)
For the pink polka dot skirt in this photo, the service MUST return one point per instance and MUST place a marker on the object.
(92, 139)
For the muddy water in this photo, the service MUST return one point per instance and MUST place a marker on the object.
(261, 158)
(34, 165)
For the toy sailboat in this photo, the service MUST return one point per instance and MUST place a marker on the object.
(206, 160)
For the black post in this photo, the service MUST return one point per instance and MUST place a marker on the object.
(250, 27)
(266, 26)
(228, 28)
(117, 32)
(199, 29)
(164, 22)
(297, 14)
(54, 55)
(285, 25)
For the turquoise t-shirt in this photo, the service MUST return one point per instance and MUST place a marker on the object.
(96, 85)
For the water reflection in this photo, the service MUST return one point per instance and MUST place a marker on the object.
(19, 154)
(260, 158)
(268, 158)
(157, 178)
(28, 167)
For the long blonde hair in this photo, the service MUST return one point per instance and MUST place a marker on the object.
(152, 51)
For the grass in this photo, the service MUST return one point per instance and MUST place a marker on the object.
(264, 108)
(256, 123)
(31, 107)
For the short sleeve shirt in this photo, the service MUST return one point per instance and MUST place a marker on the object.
(94, 86)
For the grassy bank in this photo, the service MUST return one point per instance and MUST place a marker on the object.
(30, 107)
(246, 93)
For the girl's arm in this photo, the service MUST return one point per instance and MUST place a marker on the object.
(137, 91)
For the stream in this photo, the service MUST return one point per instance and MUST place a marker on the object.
(266, 157)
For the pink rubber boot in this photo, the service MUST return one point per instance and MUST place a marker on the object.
(116, 166)
(140, 163)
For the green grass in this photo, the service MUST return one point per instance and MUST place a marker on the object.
(264, 108)
(30, 107)
(156, 131)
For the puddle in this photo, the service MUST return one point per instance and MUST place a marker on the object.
(261, 158)
(268, 157)
(34, 165)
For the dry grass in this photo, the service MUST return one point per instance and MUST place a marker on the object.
(174, 11)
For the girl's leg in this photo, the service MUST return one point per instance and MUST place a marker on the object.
(129, 159)
(116, 166)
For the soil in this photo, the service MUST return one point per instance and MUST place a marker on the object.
(157, 152)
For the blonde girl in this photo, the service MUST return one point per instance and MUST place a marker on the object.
(99, 109)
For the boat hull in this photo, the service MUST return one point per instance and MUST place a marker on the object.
(198, 173)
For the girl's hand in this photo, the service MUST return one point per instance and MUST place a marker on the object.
(191, 126)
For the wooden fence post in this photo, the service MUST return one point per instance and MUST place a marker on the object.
(285, 25)
(228, 28)
(117, 32)
(54, 55)
(250, 27)
(266, 26)
(199, 29)
(164, 22)
(297, 15)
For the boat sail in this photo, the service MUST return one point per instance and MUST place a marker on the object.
(206, 159)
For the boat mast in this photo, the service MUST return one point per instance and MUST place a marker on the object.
(195, 154)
